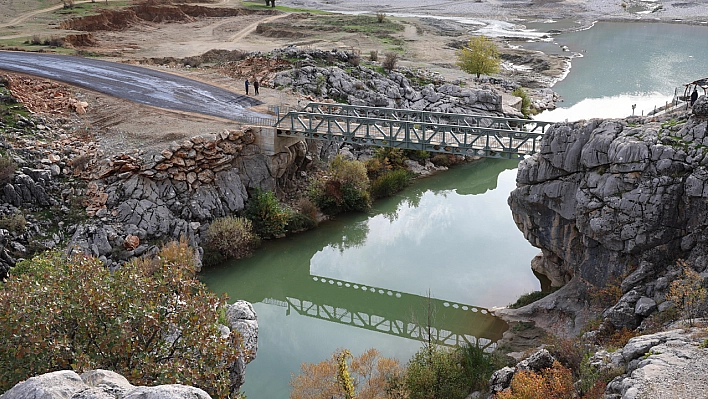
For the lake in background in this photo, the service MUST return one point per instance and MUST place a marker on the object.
(621, 64)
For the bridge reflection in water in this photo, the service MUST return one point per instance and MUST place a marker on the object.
(395, 313)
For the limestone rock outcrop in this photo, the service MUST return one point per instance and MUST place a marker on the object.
(614, 200)
(95, 384)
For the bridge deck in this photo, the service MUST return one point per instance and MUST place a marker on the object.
(417, 130)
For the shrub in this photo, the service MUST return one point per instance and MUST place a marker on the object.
(442, 160)
(346, 188)
(300, 222)
(269, 216)
(354, 60)
(374, 55)
(36, 40)
(434, 372)
(380, 17)
(390, 183)
(687, 293)
(54, 41)
(151, 320)
(529, 298)
(365, 376)
(553, 383)
(232, 237)
(7, 169)
(478, 366)
(390, 60)
(15, 223)
(525, 101)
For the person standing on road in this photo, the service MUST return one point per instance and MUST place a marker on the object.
(256, 85)
(247, 87)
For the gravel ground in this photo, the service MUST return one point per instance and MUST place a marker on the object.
(695, 11)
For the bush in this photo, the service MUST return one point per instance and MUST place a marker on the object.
(54, 41)
(368, 375)
(380, 17)
(553, 383)
(346, 188)
(374, 55)
(151, 321)
(390, 60)
(442, 160)
(433, 373)
(478, 366)
(36, 40)
(7, 169)
(525, 101)
(529, 298)
(231, 237)
(300, 222)
(688, 293)
(390, 183)
(15, 223)
(269, 216)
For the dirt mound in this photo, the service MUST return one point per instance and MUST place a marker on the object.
(81, 40)
(106, 20)
(113, 20)
(279, 32)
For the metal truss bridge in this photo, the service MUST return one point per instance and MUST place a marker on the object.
(462, 134)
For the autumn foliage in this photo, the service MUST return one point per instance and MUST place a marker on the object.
(553, 383)
(369, 374)
(151, 320)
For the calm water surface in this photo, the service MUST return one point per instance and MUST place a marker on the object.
(362, 280)
(627, 63)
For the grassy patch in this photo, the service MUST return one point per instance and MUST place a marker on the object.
(261, 6)
(85, 9)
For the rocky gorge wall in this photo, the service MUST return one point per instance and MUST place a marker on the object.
(616, 202)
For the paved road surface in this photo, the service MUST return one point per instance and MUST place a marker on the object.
(134, 83)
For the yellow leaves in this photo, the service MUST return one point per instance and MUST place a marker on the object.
(367, 375)
(553, 383)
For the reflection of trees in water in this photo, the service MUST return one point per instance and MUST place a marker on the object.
(353, 235)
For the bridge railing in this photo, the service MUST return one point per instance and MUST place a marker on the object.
(427, 117)
(411, 134)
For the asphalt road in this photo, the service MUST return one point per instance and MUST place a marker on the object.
(134, 83)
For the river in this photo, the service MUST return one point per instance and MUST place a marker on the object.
(362, 280)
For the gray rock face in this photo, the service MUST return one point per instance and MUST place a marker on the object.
(602, 196)
(242, 318)
(96, 384)
(669, 364)
(364, 86)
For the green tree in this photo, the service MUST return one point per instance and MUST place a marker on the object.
(480, 56)
(151, 320)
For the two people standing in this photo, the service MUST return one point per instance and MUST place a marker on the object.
(256, 85)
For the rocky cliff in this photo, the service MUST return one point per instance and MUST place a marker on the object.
(616, 202)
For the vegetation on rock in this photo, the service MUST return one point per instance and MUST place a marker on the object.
(345, 188)
(232, 237)
(151, 320)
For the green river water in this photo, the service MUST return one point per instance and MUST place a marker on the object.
(362, 280)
